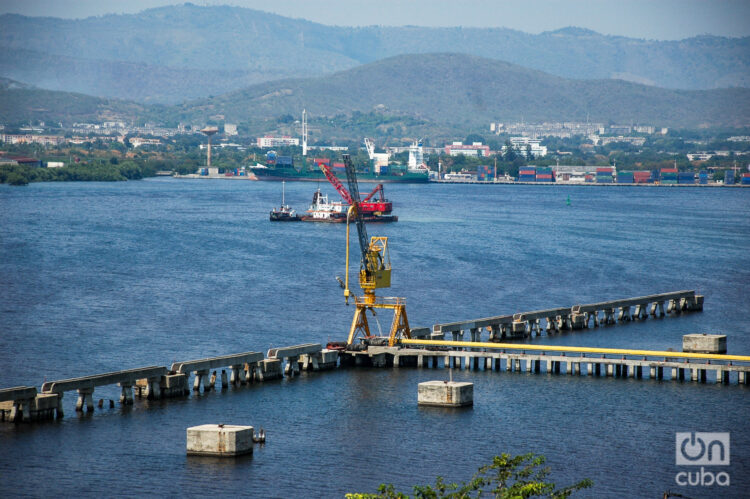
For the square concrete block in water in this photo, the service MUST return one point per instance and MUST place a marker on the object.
(446, 393)
(704, 343)
(219, 440)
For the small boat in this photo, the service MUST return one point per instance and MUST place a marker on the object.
(284, 213)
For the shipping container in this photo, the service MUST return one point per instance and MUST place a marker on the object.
(729, 177)
(603, 180)
(686, 178)
(745, 179)
(271, 157)
(589, 178)
(325, 161)
(284, 160)
(604, 169)
(625, 178)
(703, 178)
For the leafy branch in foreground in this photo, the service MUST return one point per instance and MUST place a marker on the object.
(508, 477)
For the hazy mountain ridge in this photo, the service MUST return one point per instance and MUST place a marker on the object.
(439, 90)
(191, 43)
(472, 91)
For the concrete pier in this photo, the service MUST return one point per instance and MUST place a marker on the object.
(705, 343)
(525, 324)
(219, 440)
(445, 393)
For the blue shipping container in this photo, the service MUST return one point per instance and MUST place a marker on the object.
(729, 177)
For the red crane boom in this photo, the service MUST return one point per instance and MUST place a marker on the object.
(367, 207)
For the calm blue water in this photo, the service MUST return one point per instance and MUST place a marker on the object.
(96, 277)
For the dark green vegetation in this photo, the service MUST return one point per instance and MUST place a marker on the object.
(21, 103)
(507, 477)
(103, 172)
(172, 53)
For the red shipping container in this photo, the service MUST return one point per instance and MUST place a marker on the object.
(669, 170)
(604, 170)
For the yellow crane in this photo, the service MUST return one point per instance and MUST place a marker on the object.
(374, 273)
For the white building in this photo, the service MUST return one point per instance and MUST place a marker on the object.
(522, 144)
(269, 141)
(230, 129)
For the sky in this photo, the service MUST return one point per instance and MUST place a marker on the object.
(652, 19)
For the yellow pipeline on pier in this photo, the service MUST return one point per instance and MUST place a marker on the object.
(559, 348)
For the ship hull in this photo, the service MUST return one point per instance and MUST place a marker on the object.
(295, 176)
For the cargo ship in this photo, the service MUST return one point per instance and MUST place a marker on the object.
(283, 168)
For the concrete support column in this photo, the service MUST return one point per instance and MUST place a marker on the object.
(467, 362)
(672, 306)
(529, 364)
(59, 412)
(694, 375)
(589, 369)
(549, 367)
(624, 314)
(86, 398)
(577, 321)
(475, 334)
(200, 379)
(742, 377)
(517, 366)
(652, 372)
(610, 370)
(126, 393)
(153, 388)
(292, 366)
(420, 361)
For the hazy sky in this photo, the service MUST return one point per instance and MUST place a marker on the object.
(656, 19)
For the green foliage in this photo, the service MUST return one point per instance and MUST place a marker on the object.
(102, 172)
(507, 477)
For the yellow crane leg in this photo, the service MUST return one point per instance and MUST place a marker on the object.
(557, 348)
(359, 323)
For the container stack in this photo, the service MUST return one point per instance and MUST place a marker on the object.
(729, 177)
(686, 178)
(625, 177)
(642, 177)
(484, 173)
(668, 176)
(339, 168)
(589, 178)
(284, 160)
(703, 177)
(325, 161)
(271, 158)
(604, 175)
(745, 179)
(544, 174)
(527, 174)
(203, 171)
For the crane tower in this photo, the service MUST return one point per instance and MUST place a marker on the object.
(374, 273)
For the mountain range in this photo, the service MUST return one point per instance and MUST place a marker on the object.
(437, 90)
(176, 53)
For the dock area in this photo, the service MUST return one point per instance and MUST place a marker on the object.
(426, 348)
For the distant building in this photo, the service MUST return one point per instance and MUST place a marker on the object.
(524, 145)
(475, 149)
(138, 142)
(636, 141)
(230, 129)
(47, 140)
(269, 141)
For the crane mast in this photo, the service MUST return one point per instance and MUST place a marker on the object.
(374, 273)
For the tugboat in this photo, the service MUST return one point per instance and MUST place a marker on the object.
(284, 213)
(323, 210)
